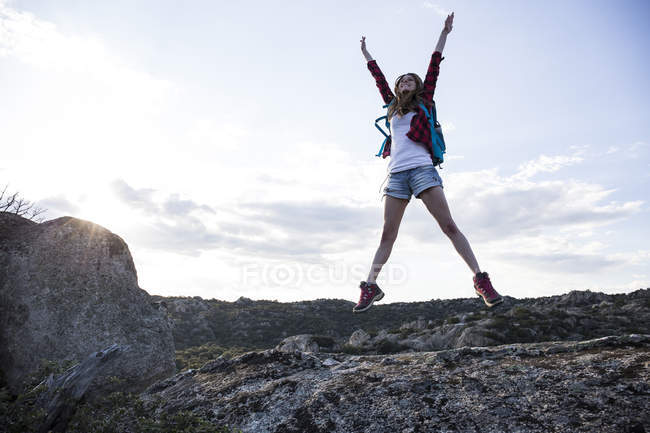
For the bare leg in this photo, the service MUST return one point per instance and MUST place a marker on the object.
(435, 201)
(393, 213)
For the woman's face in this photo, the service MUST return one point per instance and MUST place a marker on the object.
(406, 84)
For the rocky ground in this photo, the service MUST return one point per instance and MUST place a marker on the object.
(597, 385)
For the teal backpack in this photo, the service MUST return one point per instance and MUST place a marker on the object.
(437, 139)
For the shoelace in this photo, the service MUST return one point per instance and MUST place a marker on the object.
(485, 286)
(365, 291)
(365, 294)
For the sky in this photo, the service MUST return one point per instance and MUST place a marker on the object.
(231, 144)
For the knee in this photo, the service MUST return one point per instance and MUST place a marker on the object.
(449, 228)
(388, 237)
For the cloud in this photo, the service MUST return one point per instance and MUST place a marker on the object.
(81, 94)
(436, 8)
(559, 254)
(633, 150)
(168, 223)
(565, 262)
(58, 205)
(508, 206)
(315, 218)
(623, 151)
(549, 221)
(186, 235)
(144, 199)
(141, 199)
(546, 164)
(545, 223)
(41, 44)
(273, 229)
(303, 229)
(174, 205)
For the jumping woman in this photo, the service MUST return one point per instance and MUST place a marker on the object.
(412, 171)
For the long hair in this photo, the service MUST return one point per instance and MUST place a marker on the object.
(407, 101)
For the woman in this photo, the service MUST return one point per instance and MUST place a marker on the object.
(412, 171)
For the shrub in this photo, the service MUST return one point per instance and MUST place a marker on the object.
(122, 412)
(521, 313)
(352, 350)
(324, 341)
(499, 322)
(619, 301)
(196, 357)
(386, 347)
(558, 314)
(20, 415)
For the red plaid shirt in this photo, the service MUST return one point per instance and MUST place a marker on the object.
(420, 130)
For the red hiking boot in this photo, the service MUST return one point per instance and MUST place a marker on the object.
(483, 288)
(370, 292)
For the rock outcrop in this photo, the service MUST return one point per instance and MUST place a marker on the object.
(575, 316)
(308, 343)
(300, 343)
(597, 385)
(69, 288)
(416, 326)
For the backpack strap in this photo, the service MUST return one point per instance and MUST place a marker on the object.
(437, 142)
(432, 116)
(387, 124)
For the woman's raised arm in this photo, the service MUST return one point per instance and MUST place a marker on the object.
(449, 22)
(365, 52)
(434, 65)
(380, 80)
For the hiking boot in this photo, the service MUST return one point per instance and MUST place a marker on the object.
(370, 292)
(483, 288)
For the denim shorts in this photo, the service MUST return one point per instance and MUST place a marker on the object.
(413, 181)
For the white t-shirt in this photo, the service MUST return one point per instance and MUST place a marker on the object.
(404, 152)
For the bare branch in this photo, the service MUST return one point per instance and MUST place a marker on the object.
(9, 203)
(19, 206)
(2, 194)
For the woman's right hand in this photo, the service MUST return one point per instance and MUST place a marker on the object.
(449, 23)
(365, 52)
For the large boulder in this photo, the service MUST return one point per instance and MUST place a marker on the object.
(359, 338)
(301, 343)
(69, 288)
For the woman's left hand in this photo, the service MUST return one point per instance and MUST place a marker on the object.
(449, 22)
